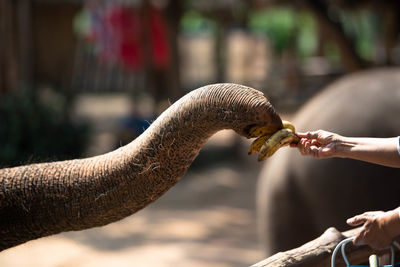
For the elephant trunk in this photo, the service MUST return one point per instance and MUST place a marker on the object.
(43, 199)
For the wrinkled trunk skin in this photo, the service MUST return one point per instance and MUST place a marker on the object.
(43, 199)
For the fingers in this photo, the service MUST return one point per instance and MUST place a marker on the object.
(312, 134)
(304, 146)
(371, 232)
(312, 148)
(314, 142)
(356, 220)
(302, 135)
(372, 236)
(308, 135)
(318, 144)
(362, 218)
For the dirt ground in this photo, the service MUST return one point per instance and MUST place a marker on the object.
(207, 219)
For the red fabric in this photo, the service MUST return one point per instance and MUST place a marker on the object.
(126, 24)
(159, 39)
(118, 31)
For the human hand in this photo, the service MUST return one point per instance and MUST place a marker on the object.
(318, 144)
(378, 230)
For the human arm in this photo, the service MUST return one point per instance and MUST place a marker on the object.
(323, 144)
(379, 228)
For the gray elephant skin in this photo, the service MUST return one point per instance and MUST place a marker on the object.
(43, 199)
(299, 197)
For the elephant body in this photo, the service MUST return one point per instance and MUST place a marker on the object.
(299, 197)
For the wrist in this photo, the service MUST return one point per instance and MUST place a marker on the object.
(343, 146)
(391, 223)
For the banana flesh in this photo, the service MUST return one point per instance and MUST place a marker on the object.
(268, 143)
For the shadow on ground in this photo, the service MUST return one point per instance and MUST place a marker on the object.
(207, 219)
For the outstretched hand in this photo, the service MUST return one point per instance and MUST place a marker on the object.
(318, 144)
(379, 228)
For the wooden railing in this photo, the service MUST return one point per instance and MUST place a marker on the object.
(318, 252)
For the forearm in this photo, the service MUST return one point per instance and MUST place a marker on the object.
(383, 151)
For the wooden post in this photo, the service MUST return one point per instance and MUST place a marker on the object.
(25, 38)
(8, 59)
(350, 59)
(174, 12)
(318, 252)
(2, 46)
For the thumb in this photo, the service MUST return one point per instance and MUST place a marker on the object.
(327, 150)
(302, 135)
(356, 220)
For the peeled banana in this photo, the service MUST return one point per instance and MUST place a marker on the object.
(268, 143)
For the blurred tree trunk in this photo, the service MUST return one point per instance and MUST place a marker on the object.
(25, 40)
(333, 30)
(220, 37)
(8, 44)
(163, 84)
(174, 12)
(391, 30)
(146, 46)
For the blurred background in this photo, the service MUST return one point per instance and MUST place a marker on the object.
(83, 77)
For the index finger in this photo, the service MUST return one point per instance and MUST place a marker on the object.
(357, 220)
(302, 135)
(308, 135)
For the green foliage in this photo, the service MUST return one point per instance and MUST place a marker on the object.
(290, 29)
(277, 24)
(362, 27)
(194, 22)
(306, 34)
(286, 29)
(331, 51)
(34, 128)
